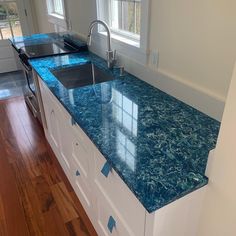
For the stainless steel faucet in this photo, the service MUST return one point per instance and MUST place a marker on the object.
(111, 55)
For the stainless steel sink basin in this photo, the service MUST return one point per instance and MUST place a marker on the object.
(81, 75)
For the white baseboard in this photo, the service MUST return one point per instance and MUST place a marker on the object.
(197, 97)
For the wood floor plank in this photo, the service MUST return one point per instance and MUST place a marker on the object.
(55, 224)
(36, 198)
(64, 202)
(10, 199)
(24, 144)
(82, 214)
(44, 194)
(77, 227)
(33, 209)
(3, 225)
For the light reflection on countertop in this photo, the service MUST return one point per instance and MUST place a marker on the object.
(21, 41)
(157, 144)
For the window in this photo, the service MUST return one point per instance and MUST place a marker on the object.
(56, 7)
(128, 21)
(125, 113)
(56, 14)
(9, 20)
(125, 18)
(126, 149)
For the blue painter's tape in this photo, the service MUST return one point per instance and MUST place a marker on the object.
(111, 224)
(106, 169)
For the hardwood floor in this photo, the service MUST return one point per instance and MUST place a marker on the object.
(35, 195)
(12, 84)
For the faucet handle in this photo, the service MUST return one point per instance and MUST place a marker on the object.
(114, 55)
(111, 55)
(114, 59)
(111, 60)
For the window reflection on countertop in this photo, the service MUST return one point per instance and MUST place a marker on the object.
(125, 112)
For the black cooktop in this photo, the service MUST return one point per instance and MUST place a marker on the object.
(49, 49)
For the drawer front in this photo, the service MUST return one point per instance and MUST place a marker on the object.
(110, 185)
(82, 188)
(50, 110)
(77, 157)
(81, 156)
(83, 137)
(66, 141)
(66, 170)
(109, 221)
(110, 205)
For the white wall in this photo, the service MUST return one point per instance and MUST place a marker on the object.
(196, 40)
(40, 9)
(219, 214)
(196, 44)
(81, 13)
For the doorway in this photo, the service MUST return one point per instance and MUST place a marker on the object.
(13, 18)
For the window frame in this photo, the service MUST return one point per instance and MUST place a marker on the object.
(54, 17)
(121, 32)
(8, 21)
(128, 46)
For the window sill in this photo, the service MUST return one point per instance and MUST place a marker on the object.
(127, 47)
(55, 15)
(57, 20)
(123, 39)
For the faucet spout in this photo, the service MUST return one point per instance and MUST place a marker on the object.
(110, 54)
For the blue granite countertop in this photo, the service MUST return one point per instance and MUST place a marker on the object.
(21, 41)
(157, 144)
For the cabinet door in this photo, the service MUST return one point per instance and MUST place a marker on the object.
(53, 127)
(124, 206)
(108, 202)
(111, 222)
(81, 155)
(66, 139)
(52, 112)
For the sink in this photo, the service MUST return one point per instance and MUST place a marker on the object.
(81, 75)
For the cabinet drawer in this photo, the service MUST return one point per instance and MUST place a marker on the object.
(65, 117)
(111, 222)
(118, 194)
(82, 155)
(51, 113)
(66, 170)
(46, 93)
(66, 140)
(83, 137)
(82, 188)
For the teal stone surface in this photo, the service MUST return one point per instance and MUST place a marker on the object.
(20, 41)
(157, 144)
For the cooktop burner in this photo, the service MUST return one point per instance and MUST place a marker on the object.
(44, 50)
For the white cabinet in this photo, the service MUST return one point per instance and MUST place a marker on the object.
(65, 142)
(50, 110)
(125, 207)
(111, 222)
(111, 206)
(180, 218)
(71, 148)
(81, 156)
